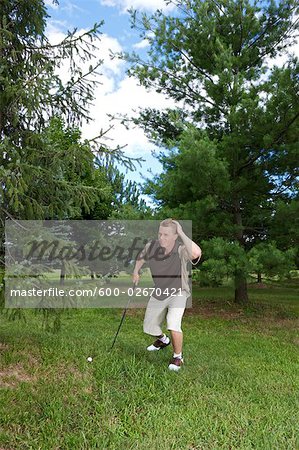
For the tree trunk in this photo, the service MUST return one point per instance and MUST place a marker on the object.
(241, 295)
(259, 277)
(62, 273)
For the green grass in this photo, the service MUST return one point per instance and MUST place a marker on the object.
(238, 389)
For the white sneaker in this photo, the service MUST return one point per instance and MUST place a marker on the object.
(176, 364)
(158, 345)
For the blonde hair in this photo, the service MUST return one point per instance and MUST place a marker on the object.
(169, 223)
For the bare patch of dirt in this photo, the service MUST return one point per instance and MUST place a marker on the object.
(76, 373)
(13, 375)
(61, 372)
(259, 285)
(3, 348)
(296, 341)
(80, 380)
(270, 327)
(138, 312)
(29, 359)
(88, 390)
(282, 323)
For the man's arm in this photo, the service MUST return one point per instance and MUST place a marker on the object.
(135, 277)
(139, 263)
(194, 251)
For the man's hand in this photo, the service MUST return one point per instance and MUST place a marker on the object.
(193, 249)
(179, 228)
(135, 278)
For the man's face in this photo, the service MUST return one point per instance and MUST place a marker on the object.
(167, 237)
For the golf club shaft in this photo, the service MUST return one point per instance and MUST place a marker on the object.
(123, 318)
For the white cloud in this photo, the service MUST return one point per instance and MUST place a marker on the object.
(150, 5)
(54, 31)
(128, 96)
(71, 8)
(280, 60)
(65, 6)
(50, 4)
(117, 94)
(142, 44)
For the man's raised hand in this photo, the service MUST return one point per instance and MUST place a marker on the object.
(179, 228)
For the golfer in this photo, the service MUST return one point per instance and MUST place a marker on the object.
(167, 259)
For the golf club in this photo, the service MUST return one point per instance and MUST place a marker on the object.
(123, 318)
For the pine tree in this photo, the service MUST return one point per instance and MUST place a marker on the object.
(233, 139)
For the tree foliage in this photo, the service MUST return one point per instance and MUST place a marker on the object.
(267, 259)
(46, 170)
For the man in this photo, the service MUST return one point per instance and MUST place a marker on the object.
(167, 260)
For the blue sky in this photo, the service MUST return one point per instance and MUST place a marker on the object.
(84, 13)
(118, 93)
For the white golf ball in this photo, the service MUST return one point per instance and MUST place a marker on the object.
(89, 359)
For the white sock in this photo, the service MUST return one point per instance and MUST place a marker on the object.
(177, 355)
(164, 339)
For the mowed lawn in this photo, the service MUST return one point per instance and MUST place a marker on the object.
(239, 388)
